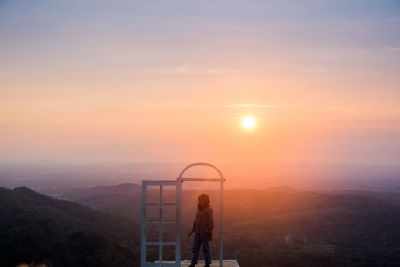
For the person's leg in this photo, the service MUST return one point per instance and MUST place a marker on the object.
(206, 248)
(195, 249)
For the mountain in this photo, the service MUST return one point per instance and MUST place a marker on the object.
(120, 189)
(270, 227)
(285, 227)
(122, 199)
(35, 227)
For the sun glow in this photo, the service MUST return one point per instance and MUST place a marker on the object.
(248, 122)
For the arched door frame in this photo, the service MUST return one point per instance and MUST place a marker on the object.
(221, 180)
(145, 222)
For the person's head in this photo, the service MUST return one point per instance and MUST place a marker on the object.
(204, 201)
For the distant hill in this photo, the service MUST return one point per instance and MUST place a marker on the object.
(283, 227)
(34, 227)
(124, 188)
(278, 226)
(121, 199)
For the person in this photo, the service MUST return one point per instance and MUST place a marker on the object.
(203, 226)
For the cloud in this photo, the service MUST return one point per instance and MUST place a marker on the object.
(328, 70)
(236, 105)
(192, 70)
(392, 48)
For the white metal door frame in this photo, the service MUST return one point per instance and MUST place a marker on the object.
(144, 224)
(220, 180)
(178, 186)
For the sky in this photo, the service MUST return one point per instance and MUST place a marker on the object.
(169, 81)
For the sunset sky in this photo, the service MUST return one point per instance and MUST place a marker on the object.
(170, 81)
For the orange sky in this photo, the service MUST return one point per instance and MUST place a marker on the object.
(79, 83)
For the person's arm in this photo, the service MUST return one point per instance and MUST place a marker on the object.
(193, 228)
(210, 220)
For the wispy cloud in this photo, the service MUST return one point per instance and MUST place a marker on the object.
(237, 105)
(191, 70)
(392, 48)
(328, 70)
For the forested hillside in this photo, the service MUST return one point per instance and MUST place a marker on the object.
(278, 227)
(37, 228)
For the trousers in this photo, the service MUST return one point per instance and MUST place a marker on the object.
(201, 240)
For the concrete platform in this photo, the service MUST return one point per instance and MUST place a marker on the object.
(215, 263)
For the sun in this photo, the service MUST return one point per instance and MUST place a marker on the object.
(248, 122)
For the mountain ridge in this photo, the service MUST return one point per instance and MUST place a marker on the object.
(35, 227)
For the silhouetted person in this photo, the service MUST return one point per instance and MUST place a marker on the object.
(202, 227)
